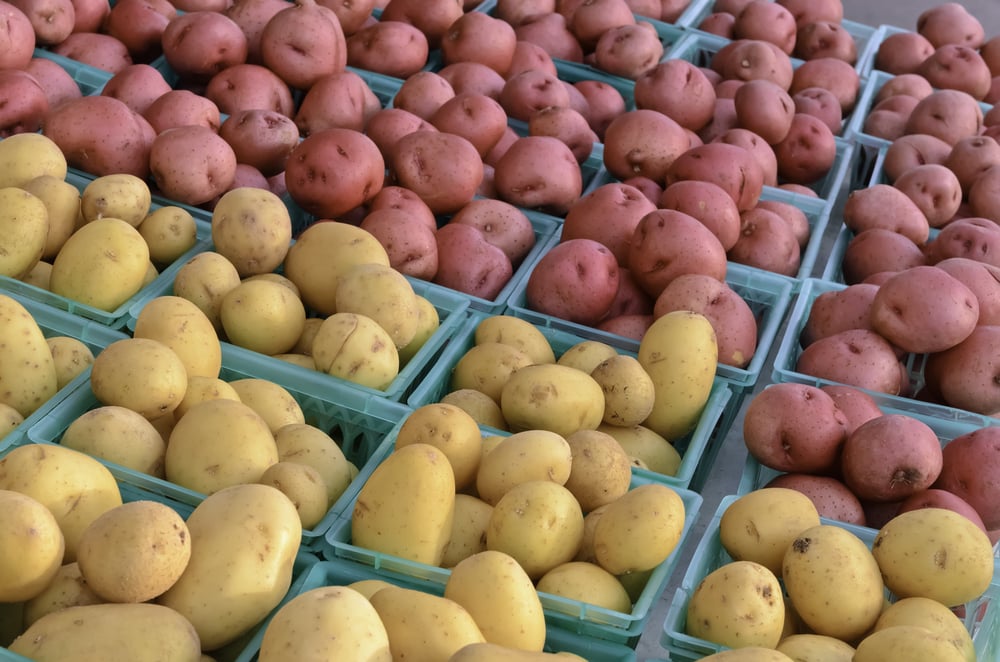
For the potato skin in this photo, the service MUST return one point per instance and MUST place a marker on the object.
(570, 267)
(333, 171)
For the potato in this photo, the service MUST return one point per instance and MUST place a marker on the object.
(273, 402)
(808, 646)
(182, 326)
(525, 510)
(482, 408)
(470, 263)
(468, 533)
(838, 310)
(856, 357)
(522, 457)
(737, 604)
(215, 159)
(306, 444)
(586, 582)
(32, 103)
(592, 217)
(517, 332)
(731, 167)
(639, 530)
(141, 374)
(331, 172)
(681, 387)
(73, 486)
(328, 608)
(586, 355)
(807, 152)
(388, 47)
(424, 626)
(103, 631)
(600, 471)
(120, 435)
(33, 546)
(967, 116)
(243, 545)
(933, 615)
(381, 293)
(28, 155)
(452, 431)
(24, 225)
(552, 397)
(628, 390)
(913, 641)
(486, 367)
(500, 597)
(321, 253)
(170, 232)
(204, 280)
(423, 160)
(866, 208)
(760, 525)
(407, 505)
(629, 152)
(878, 250)
(137, 86)
(628, 51)
(831, 496)
(572, 266)
(246, 86)
(220, 44)
(181, 108)
(764, 108)
(134, 552)
(645, 448)
(62, 202)
(95, 49)
(303, 485)
(662, 88)
(66, 589)
(834, 582)
(409, 243)
(934, 553)
(354, 347)
(539, 172)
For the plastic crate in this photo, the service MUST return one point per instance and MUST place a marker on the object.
(789, 350)
(451, 308)
(117, 318)
(89, 79)
(571, 616)
(768, 295)
(706, 439)
(55, 322)
(339, 573)
(359, 423)
(982, 619)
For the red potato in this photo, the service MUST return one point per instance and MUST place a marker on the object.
(887, 207)
(832, 498)
(595, 17)
(630, 300)
(182, 108)
(965, 376)
(26, 103)
(766, 242)
(479, 37)
(970, 157)
(947, 114)
(732, 168)
(950, 23)
(539, 172)
(628, 51)
(794, 428)
(551, 33)
(391, 48)
(912, 150)
(856, 357)
(526, 93)
(139, 24)
(604, 104)
(516, 12)
(192, 164)
(764, 108)
(403, 199)
(502, 224)
(838, 310)
(247, 176)
(52, 20)
(444, 169)
(935, 189)
(627, 326)
(832, 74)
(609, 214)
(808, 11)
(719, 23)
(723, 119)
(938, 498)
(249, 87)
(263, 139)
(766, 21)
(410, 244)
(197, 45)
(887, 119)
(652, 190)
(423, 93)
(808, 151)
(566, 270)
(95, 49)
(708, 203)
(857, 405)
(793, 216)
(752, 59)
(970, 468)
(983, 199)
(678, 89)
(890, 458)
(959, 68)
(643, 142)
(137, 86)
(972, 237)
(667, 244)
(432, 17)
(302, 43)
(343, 100)
(902, 52)
(386, 126)
(819, 39)
(17, 37)
(567, 125)
(56, 82)
(529, 55)
(877, 250)
(757, 147)
(478, 118)
(472, 78)
(252, 16)
(982, 279)
(331, 172)
(353, 15)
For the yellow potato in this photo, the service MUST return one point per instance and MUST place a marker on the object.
(586, 582)
(24, 226)
(520, 458)
(539, 523)
(31, 546)
(628, 390)
(328, 622)
(832, 579)
(102, 265)
(601, 471)
(201, 388)
(383, 294)
(487, 367)
(355, 348)
(303, 485)
(300, 360)
(39, 275)
(273, 402)
(275, 277)
(25, 156)
(639, 530)
(586, 355)
(71, 356)
(816, 647)
(170, 232)
(490, 652)
(452, 431)
(931, 614)
(141, 374)
(134, 552)
(121, 195)
(680, 353)
(205, 280)
(142, 632)
(407, 505)
(62, 201)
(907, 642)
(552, 397)
(307, 444)
(510, 330)
(252, 228)
(218, 444)
(760, 525)
(10, 418)
(119, 435)
(305, 342)
(28, 374)
(262, 316)
(737, 605)
(66, 589)
(468, 530)
(749, 654)
(423, 627)
(367, 587)
(428, 322)
(586, 551)
(75, 487)
(183, 327)
(481, 407)
(244, 540)
(651, 449)
(934, 553)
(501, 598)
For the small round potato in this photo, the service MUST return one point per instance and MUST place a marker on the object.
(262, 316)
(169, 231)
(517, 332)
(355, 348)
(118, 435)
(302, 484)
(628, 390)
(33, 546)
(601, 471)
(586, 582)
(272, 402)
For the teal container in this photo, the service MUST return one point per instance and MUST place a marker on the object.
(89, 79)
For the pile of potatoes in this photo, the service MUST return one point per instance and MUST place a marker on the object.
(863, 465)
(88, 574)
(791, 582)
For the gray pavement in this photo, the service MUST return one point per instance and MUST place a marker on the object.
(729, 464)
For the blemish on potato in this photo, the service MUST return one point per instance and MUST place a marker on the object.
(801, 545)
